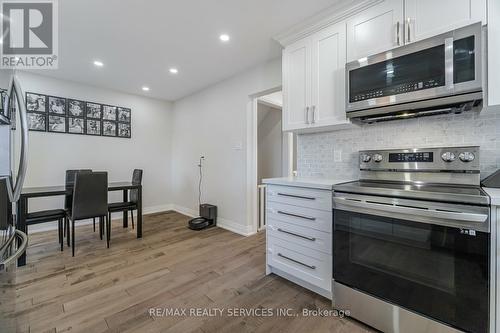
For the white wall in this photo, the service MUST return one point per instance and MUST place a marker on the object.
(213, 123)
(50, 154)
(270, 142)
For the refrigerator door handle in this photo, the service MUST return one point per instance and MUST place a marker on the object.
(16, 246)
(14, 189)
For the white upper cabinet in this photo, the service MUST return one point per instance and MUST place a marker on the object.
(328, 76)
(375, 30)
(394, 23)
(314, 65)
(314, 79)
(296, 84)
(427, 18)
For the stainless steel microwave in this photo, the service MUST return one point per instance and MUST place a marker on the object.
(435, 75)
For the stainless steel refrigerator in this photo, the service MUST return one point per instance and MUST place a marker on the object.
(13, 164)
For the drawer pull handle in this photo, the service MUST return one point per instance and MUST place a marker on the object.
(312, 239)
(296, 261)
(296, 215)
(296, 196)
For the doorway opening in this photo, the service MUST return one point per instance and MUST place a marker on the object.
(272, 152)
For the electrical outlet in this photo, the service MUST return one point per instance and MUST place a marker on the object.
(337, 156)
(238, 145)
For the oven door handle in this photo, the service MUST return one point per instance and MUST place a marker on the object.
(390, 208)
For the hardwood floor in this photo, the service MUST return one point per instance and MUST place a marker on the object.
(113, 290)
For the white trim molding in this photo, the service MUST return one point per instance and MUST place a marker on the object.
(327, 17)
(221, 222)
(53, 225)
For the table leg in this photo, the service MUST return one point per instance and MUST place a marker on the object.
(125, 212)
(22, 211)
(139, 212)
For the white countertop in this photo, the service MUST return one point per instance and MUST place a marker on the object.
(494, 194)
(317, 183)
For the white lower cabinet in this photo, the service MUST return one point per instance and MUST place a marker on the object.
(299, 236)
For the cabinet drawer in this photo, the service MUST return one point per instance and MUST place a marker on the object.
(303, 197)
(308, 237)
(306, 264)
(303, 217)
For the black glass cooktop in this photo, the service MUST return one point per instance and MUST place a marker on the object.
(443, 193)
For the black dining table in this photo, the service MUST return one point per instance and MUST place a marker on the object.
(52, 191)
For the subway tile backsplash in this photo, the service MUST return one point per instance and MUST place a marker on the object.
(335, 154)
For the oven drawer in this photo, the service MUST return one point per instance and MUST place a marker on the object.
(303, 217)
(308, 237)
(306, 264)
(302, 197)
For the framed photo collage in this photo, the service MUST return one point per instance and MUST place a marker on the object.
(64, 115)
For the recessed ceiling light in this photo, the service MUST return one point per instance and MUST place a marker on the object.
(224, 37)
(173, 70)
(145, 88)
(98, 63)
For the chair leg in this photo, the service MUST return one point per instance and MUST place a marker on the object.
(109, 223)
(73, 237)
(60, 231)
(101, 231)
(132, 216)
(108, 229)
(66, 221)
(94, 224)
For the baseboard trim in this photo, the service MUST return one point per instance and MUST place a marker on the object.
(49, 226)
(221, 222)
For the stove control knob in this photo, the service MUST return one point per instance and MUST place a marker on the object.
(377, 158)
(466, 156)
(366, 158)
(448, 157)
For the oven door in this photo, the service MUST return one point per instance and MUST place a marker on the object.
(438, 269)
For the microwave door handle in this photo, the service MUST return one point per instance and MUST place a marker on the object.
(356, 205)
(448, 59)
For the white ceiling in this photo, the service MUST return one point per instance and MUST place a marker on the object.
(139, 40)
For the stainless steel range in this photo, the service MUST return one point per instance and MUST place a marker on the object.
(412, 242)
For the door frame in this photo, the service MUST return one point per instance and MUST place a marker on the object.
(252, 162)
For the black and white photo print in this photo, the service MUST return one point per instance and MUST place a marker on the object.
(35, 103)
(124, 115)
(94, 111)
(109, 128)
(93, 127)
(124, 131)
(76, 125)
(76, 108)
(57, 105)
(36, 122)
(57, 124)
(109, 112)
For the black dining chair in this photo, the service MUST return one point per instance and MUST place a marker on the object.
(90, 200)
(50, 215)
(130, 205)
(68, 198)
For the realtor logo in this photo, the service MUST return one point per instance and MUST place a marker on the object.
(29, 34)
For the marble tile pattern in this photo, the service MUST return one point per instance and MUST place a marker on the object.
(335, 154)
